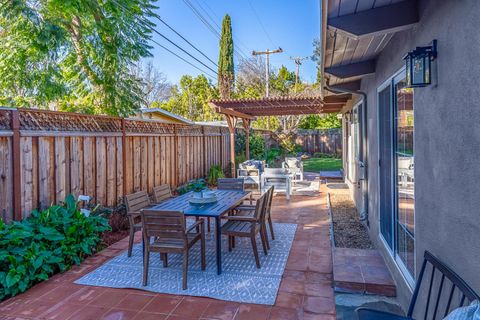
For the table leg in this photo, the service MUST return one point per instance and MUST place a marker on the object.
(289, 188)
(218, 231)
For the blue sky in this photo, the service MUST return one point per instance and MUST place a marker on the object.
(292, 25)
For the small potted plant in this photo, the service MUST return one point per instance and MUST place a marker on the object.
(197, 187)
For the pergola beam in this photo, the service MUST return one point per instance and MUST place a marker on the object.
(386, 19)
(230, 112)
(352, 70)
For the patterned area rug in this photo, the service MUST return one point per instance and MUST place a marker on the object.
(240, 281)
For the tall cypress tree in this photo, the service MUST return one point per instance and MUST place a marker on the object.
(225, 59)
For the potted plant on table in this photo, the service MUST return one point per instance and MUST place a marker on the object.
(197, 187)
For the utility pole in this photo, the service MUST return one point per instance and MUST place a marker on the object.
(266, 53)
(298, 62)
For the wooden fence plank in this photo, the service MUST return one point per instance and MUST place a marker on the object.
(157, 158)
(150, 165)
(119, 172)
(100, 170)
(143, 164)
(27, 176)
(89, 174)
(46, 170)
(76, 166)
(111, 171)
(6, 176)
(60, 170)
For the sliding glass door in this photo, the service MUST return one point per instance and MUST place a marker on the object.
(385, 163)
(396, 171)
(405, 181)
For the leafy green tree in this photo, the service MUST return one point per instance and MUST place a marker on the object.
(315, 121)
(73, 55)
(225, 59)
(283, 82)
(190, 99)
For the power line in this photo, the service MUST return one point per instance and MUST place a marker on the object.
(181, 58)
(188, 53)
(261, 24)
(202, 18)
(236, 40)
(176, 45)
(178, 34)
(217, 32)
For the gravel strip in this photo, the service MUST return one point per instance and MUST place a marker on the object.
(348, 230)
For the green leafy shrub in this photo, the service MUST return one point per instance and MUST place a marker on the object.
(47, 242)
(257, 147)
(214, 174)
(192, 185)
(273, 155)
(240, 158)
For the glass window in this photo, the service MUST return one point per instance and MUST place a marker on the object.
(405, 182)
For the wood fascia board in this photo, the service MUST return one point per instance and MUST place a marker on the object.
(353, 69)
(350, 86)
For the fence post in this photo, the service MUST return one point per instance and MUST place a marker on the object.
(17, 180)
(204, 152)
(222, 149)
(124, 156)
(176, 158)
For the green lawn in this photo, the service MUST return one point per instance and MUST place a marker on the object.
(322, 164)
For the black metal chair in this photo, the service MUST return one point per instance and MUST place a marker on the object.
(447, 296)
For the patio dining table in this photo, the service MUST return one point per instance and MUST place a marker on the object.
(226, 201)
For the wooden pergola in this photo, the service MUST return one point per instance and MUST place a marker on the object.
(248, 109)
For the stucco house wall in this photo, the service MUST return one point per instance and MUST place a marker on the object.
(447, 139)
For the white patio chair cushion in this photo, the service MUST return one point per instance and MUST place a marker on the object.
(471, 312)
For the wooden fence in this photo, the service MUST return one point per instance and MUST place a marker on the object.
(45, 155)
(323, 141)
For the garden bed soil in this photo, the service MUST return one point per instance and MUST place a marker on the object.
(348, 230)
(110, 237)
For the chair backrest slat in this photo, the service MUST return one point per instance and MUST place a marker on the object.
(136, 201)
(450, 296)
(161, 193)
(260, 207)
(268, 209)
(231, 184)
(164, 224)
(439, 294)
(458, 283)
(429, 293)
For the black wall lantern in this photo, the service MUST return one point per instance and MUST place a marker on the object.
(419, 65)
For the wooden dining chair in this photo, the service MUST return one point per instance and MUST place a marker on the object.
(267, 219)
(228, 184)
(134, 203)
(247, 227)
(231, 184)
(162, 193)
(170, 235)
(268, 211)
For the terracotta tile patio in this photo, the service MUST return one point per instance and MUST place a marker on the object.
(305, 291)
